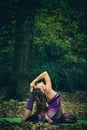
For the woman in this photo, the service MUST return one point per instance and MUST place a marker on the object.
(43, 93)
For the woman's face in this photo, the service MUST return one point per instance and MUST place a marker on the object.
(41, 86)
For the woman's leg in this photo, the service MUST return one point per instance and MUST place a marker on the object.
(69, 118)
(66, 118)
(32, 118)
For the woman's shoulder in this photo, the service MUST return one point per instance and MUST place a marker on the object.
(50, 94)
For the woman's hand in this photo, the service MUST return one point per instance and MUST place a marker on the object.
(41, 86)
(32, 84)
(48, 119)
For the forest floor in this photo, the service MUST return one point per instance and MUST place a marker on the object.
(73, 103)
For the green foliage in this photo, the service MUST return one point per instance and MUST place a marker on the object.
(59, 44)
(60, 48)
(7, 40)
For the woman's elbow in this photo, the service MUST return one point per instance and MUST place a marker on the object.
(45, 72)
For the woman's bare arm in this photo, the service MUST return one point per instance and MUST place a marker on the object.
(27, 113)
(44, 76)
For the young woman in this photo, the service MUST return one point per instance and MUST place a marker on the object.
(43, 94)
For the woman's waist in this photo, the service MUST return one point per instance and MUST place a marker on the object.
(53, 108)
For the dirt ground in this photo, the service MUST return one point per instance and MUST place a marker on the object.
(74, 103)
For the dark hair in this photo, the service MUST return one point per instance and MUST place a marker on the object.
(40, 99)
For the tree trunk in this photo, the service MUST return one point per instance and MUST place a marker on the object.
(24, 39)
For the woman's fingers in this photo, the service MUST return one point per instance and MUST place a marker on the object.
(32, 84)
(48, 119)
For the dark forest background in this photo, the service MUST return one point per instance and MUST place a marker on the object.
(42, 35)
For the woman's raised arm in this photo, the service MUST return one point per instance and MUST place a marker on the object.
(44, 76)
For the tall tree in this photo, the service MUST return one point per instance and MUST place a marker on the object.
(24, 39)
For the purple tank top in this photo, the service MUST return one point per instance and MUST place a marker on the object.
(54, 108)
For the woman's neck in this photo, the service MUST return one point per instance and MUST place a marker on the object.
(50, 94)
